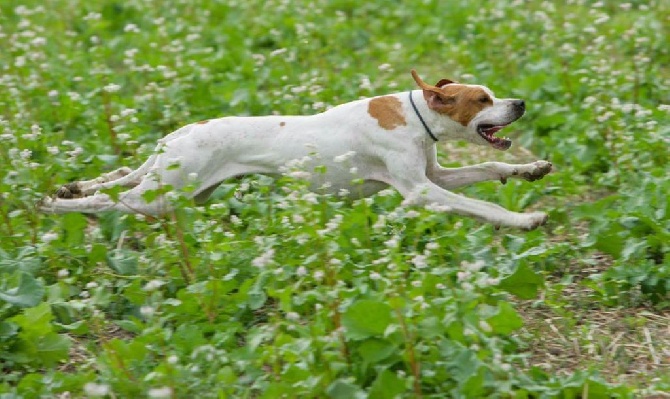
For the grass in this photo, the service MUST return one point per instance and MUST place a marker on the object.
(271, 291)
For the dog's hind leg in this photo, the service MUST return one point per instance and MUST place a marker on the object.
(124, 177)
(131, 201)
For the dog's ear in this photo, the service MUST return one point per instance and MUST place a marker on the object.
(437, 100)
(423, 85)
(444, 82)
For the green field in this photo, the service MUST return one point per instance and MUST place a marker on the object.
(270, 291)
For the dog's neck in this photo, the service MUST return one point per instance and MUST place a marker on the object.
(441, 126)
(423, 122)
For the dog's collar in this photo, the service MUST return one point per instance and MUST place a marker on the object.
(411, 100)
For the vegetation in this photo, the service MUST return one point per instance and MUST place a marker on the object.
(272, 291)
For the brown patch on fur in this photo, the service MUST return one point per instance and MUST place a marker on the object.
(203, 122)
(387, 111)
(282, 124)
(462, 103)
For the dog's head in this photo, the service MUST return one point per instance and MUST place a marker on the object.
(477, 112)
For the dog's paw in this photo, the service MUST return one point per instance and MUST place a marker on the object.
(534, 220)
(69, 191)
(45, 205)
(536, 170)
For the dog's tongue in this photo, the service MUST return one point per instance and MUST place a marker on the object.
(493, 130)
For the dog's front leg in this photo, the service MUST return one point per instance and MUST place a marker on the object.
(429, 193)
(450, 178)
(417, 189)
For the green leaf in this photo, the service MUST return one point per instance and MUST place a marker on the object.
(257, 299)
(38, 344)
(26, 260)
(366, 318)
(74, 225)
(34, 319)
(256, 295)
(343, 389)
(122, 261)
(374, 350)
(506, 320)
(27, 293)
(524, 282)
(52, 348)
(387, 386)
(7, 330)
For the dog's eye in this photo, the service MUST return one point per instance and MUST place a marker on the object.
(484, 100)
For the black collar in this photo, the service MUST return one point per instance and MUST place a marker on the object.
(432, 136)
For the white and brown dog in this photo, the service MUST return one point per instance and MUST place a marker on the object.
(390, 140)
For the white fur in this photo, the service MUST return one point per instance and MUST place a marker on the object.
(404, 157)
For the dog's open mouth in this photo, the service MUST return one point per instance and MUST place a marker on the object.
(487, 131)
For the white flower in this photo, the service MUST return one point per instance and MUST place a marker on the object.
(92, 16)
(48, 237)
(311, 198)
(392, 242)
(93, 389)
(62, 273)
(132, 28)
(301, 272)
(128, 112)
(293, 316)
(411, 214)
(153, 285)
(375, 276)
(147, 311)
(158, 393)
(318, 275)
(474, 266)
(485, 326)
(344, 157)
(53, 93)
(265, 259)
(420, 261)
(300, 174)
(172, 359)
(112, 88)
(278, 52)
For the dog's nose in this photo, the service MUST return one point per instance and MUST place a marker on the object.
(519, 104)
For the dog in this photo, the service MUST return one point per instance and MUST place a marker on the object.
(387, 140)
